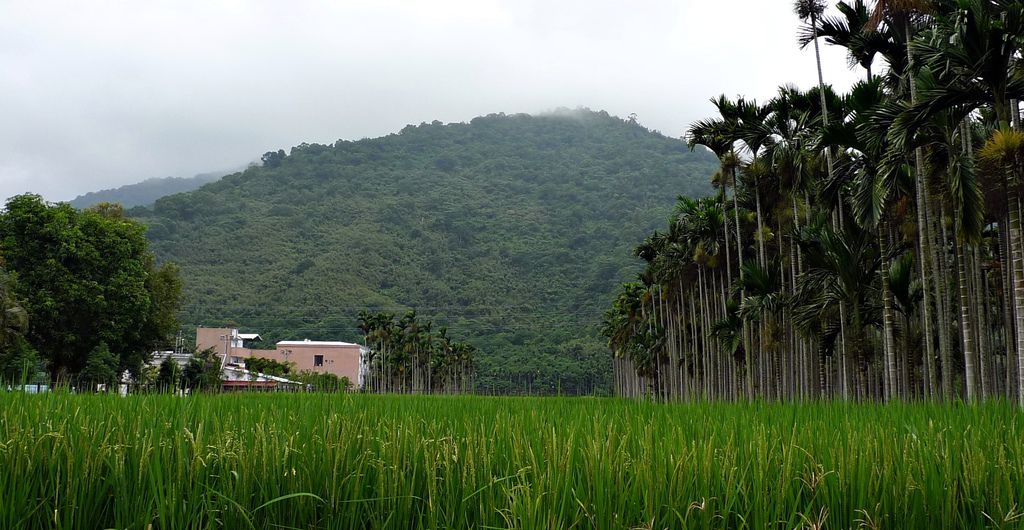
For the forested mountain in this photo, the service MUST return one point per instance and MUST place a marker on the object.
(146, 192)
(512, 230)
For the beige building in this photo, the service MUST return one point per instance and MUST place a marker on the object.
(343, 359)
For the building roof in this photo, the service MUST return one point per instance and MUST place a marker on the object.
(250, 336)
(308, 342)
(182, 358)
(248, 384)
(233, 374)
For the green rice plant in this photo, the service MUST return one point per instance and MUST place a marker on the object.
(390, 462)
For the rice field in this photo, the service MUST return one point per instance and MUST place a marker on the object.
(360, 461)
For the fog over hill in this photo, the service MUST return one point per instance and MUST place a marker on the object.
(146, 192)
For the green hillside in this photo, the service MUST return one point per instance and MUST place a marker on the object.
(513, 230)
(146, 192)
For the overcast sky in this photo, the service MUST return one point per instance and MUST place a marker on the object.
(99, 94)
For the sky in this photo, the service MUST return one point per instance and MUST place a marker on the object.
(98, 94)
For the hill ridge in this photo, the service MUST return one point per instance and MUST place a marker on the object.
(511, 229)
(146, 192)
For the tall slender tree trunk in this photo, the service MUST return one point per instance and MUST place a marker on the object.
(763, 356)
(966, 331)
(1018, 259)
(706, 348)
(821, 92)
(942, 269)
(936, 235)
(845, 366)
(725, 232)
(760, 230)
(736, 214)
(1018, 287)
(922, 227)
(680, 367)
(891, 388)
(981, 325)
(1009, 328)
(745, 328)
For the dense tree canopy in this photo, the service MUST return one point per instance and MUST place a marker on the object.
(94, 297)
(18, 361)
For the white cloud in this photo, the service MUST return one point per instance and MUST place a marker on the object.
(96, 95)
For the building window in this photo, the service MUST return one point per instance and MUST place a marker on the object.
(318, 360)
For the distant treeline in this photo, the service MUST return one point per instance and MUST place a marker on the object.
(146, 192)
(407, 355)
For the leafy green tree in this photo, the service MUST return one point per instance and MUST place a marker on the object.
(13, 325)
(203, 371)
(19, 362)
(169, 375)
(324, 382)
(269, 366)
(851, 31)
(101, 368)
(273, 158)
(86, 278)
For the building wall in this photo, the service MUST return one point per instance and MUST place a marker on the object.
(214, 338)
(342, 361)
(211, 338)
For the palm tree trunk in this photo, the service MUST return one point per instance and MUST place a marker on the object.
(736, 215)
(698, 350)
(1018, 287)
(709, 309)
(725, 232)
(1018, 265)
(940, 269)
(821, 93)
(966, 331)
(697, 382)
(800, 353)
(745, 331)
(981, 325)
(1006, 278)
(760, 229)
(721, 355)
(980, 290)
(679, 367)
(764, 356)
(845, 367)
(891, 389)
(922, 227)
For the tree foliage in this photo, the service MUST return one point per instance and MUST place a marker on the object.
(203, 371)
(85, 279)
